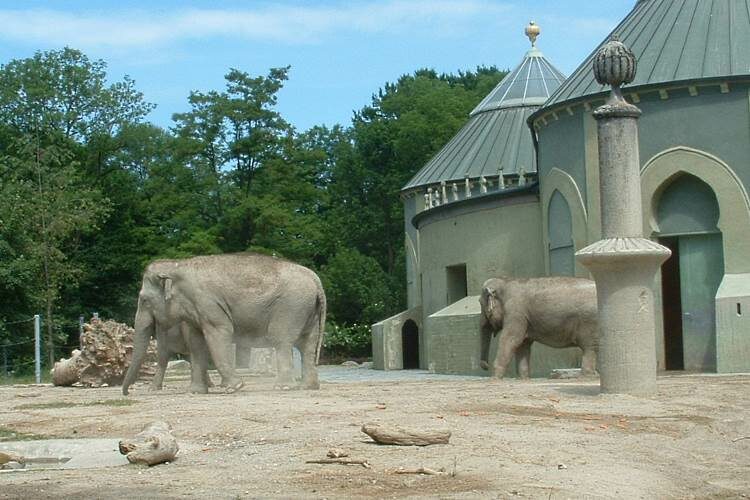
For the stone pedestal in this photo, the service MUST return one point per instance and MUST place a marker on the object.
(624, 270)
(623, 263)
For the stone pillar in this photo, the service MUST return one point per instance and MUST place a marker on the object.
(623, 263)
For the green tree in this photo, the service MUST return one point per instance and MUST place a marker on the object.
(61, 128)
(49, 207)
(391, 139)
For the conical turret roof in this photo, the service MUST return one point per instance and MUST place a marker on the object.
(674, 41)
(496, 135)
(530, 84)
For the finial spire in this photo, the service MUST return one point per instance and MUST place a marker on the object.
(532, 31)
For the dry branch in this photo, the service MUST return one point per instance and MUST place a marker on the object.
(420, 470)
(341, 461)
(405, 437)
(153, 445)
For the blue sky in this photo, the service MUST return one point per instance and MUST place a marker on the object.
(341, 52)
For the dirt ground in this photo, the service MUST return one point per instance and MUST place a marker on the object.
(510, 439)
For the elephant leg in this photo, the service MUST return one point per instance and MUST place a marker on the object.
(161, 367)
(162, 352)
(219, 340)
(284, 365)
(198, 359)
(308, 347)
(204, 377)
(523, 358)
(588, 362)
(511, 338)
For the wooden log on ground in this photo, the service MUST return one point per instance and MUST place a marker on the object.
(405, 437)
(153, 445)
(67, 371)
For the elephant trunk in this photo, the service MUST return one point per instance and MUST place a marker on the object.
(486, 338)
(144, 330)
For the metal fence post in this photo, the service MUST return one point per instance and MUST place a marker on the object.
(38, 348)
(80, 330)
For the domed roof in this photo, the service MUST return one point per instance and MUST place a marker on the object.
(674, 41)
(530, 84)
(496, 135)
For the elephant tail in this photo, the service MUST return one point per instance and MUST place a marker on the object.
(321, 314)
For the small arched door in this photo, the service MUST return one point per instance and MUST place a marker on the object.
(560, 235)
(687, 217)
(410, 345)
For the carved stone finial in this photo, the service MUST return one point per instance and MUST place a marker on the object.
(467, 187)
(500, 178)
(482, 185)
(532, 31)
(614, 65)
(454, 191)
(522, 177)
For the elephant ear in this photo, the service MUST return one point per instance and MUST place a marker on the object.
(166, 285)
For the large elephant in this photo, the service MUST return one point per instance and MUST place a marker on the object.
(557, 311)
(262, 297)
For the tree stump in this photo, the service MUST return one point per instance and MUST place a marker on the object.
(104, 357)
(153, 445)
(405, 437)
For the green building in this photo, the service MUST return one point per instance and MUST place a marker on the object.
(516, 193)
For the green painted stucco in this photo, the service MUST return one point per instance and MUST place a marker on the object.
(563, 147)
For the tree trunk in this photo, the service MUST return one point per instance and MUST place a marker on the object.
(405, 437)
(153, 445)
(67, 371)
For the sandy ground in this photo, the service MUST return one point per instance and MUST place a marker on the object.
(511, 439)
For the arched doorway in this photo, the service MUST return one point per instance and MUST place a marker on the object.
(560, 235)
(687, 214)
(410, 345)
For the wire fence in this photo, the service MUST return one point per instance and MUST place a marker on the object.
(26, 350)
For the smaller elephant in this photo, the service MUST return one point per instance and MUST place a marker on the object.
(555, 311)
(176, 340)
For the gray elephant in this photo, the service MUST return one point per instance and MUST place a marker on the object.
(262, 297)
(556, 311)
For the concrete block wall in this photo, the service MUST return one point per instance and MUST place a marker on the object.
(387, 342)
(733, 324)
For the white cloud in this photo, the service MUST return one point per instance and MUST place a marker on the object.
(294, 25)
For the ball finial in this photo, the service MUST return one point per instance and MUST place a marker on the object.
(532, 31)
(614, 64)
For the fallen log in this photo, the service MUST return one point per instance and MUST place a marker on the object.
(153, 445)
(67, 371)
(398, 436)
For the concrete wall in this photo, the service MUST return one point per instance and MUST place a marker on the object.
(387, 342)
(733, 321)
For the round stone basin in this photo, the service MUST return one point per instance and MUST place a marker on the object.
(66, 453)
